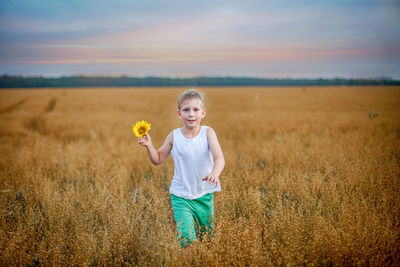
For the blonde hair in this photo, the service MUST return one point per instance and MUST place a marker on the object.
(189, 94)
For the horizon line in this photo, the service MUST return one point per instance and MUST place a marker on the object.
(382, 78)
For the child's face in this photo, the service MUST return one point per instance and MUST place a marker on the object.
(191, 112)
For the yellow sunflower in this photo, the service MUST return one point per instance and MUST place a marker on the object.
(141, 128)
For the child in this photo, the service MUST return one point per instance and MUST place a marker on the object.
(198, 162)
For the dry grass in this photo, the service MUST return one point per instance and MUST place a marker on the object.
(311, 177)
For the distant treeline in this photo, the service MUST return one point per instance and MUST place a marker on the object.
(7, 81)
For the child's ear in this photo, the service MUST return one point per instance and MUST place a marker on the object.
(178, 112)
(203, 112)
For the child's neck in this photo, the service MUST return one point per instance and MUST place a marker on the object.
(190, 132)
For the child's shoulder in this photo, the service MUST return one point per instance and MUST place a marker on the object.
(208, 128)
(170, 137)
(210, 131)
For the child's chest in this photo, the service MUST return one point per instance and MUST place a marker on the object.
(195, 149)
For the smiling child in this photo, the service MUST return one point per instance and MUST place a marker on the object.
(198, 163)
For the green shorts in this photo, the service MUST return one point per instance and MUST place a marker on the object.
(201, 210)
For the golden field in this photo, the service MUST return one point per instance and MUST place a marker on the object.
(312, 177)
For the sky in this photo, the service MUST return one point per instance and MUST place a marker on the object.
(187, 38)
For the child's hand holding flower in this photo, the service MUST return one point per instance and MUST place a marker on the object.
(145, 140)
(141, 129)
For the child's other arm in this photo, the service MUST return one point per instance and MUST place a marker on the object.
(218, 157)
(157, 156)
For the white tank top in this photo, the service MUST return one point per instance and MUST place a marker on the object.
(192, 162)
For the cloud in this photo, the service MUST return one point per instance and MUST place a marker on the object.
(252, 34)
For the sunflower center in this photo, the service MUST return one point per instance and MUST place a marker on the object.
(142, 130)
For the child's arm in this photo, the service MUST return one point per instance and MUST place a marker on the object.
(218, 157)
(157, 157)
